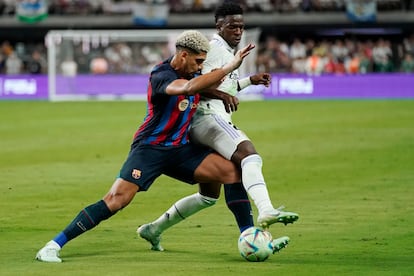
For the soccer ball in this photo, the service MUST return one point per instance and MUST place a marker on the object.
(255, 244)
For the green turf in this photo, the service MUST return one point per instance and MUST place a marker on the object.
(347, 167)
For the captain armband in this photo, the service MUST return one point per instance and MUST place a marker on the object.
(243, 83)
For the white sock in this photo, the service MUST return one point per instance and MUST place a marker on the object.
(254, 183)
(53, 244)
(181, 210)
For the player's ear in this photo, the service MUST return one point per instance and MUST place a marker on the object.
(219, 24)
(184, 53)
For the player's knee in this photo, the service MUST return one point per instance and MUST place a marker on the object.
(242, 153)
(246, 148)
(252, 159)
(116, 202)
(208, 201)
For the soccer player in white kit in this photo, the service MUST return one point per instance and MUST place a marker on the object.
(213, 126)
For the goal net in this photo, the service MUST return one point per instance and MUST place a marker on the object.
(114, 64)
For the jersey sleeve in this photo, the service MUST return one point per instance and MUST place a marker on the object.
(160, 80)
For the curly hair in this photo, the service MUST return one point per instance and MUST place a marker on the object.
(194, 41)
(227, 8)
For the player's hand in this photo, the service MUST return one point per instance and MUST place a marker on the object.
(230, 102)
(238, 58)
(261, 78)
(243, 52)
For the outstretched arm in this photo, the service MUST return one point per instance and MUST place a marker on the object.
(195, 85)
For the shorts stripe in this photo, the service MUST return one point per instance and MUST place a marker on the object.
(227, 127)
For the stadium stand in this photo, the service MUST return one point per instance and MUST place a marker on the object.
(113, 7)
(295, 39)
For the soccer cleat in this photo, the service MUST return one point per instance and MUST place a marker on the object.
(280, 243)
(277, 215)
(145, 232)
(49, 253)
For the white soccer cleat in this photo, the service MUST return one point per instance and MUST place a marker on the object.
(146, 232)
(276, 215)
(280, 243)
(49, 253)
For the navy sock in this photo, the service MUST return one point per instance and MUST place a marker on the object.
(238, 202)
(87, 219)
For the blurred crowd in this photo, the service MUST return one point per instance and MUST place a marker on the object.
(338, 56)
(108, 7)
(22, 58)
(299, 56)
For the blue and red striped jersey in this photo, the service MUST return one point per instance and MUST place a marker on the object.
(167, 120)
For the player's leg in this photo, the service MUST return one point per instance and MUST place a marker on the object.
(211, 131)
(238, 203)
(179, 211)
(213, 164)
(214, 170)
(191, 164)
(253, 180)
(224, 137)
(221, 135)
(119, 196)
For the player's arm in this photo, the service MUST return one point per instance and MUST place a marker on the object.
(195, 85)
(216, 57)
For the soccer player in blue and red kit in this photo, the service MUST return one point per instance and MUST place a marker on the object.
(161, 144)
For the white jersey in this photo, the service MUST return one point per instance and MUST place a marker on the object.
(220, 54)
(211, 125)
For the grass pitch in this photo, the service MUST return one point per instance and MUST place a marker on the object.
(347, 167)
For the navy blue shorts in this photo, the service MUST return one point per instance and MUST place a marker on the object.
(146, 162)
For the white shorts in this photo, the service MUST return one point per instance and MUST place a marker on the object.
(217, 133)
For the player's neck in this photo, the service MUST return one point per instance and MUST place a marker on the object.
(176, 64)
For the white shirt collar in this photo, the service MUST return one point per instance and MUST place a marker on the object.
(223, 42)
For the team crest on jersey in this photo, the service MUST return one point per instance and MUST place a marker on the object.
(136, 174)
(183, 105)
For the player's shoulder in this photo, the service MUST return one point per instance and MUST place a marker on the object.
(162, 73)
(216, 51)
(162, 67)
(217, 44)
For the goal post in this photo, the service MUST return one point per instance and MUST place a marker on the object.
(114, 64)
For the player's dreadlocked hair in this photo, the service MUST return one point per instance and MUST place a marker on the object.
(227, 8)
